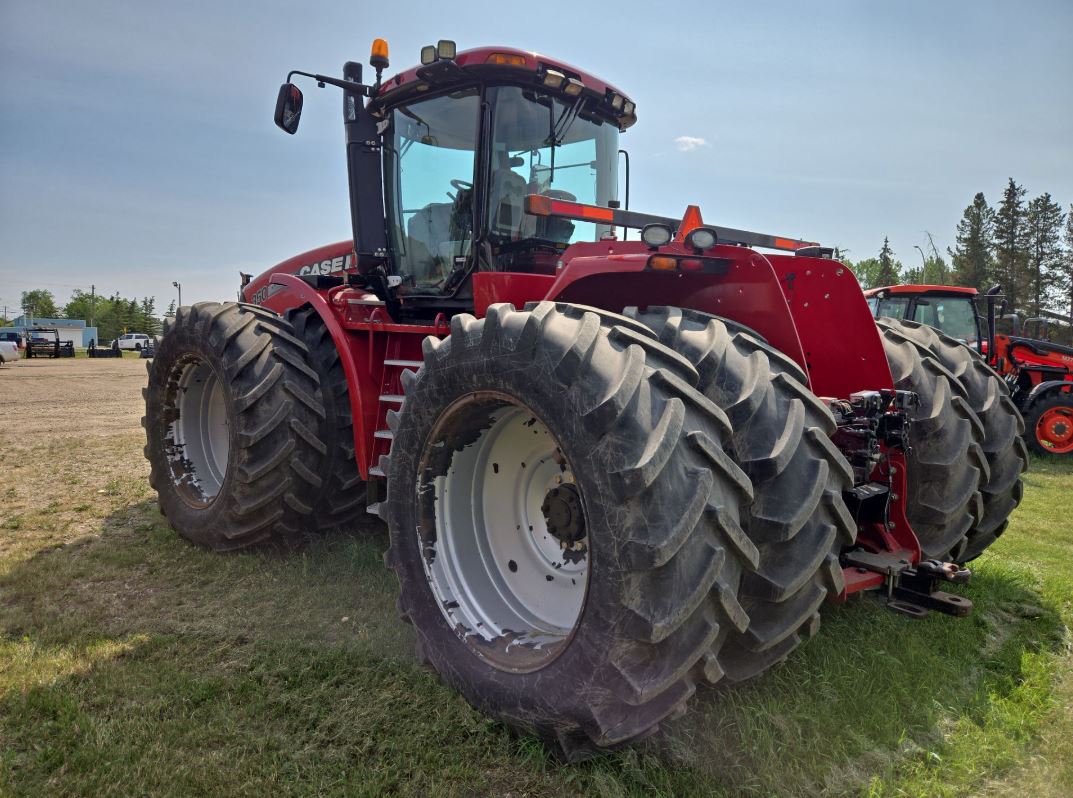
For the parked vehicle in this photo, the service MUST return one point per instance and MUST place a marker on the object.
(611, 470)
(13, 336)
(134, 341)
(1038, 373)
(9, 351)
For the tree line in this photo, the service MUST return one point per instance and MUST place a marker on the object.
(1026, 246)
(112, 315)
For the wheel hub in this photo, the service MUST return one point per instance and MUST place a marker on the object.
(506, 552)
(563, 514)
(199, 437)
(1055, 430)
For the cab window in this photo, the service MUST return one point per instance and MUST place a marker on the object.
(429, 188)
(954, 316)
(542, 145)
(892, 308)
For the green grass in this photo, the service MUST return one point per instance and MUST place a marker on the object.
(131, 662)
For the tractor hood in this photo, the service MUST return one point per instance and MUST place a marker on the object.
(333, 259)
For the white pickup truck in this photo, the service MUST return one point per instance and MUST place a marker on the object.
(136, 341)
(9, 351)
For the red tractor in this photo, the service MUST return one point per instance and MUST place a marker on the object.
(611, 470)
(1039, 373)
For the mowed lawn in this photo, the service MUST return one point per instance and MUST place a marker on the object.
(133, 663)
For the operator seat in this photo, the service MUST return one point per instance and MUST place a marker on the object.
(428, 230)
(508, 202)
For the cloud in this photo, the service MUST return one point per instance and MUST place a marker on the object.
(689, 143)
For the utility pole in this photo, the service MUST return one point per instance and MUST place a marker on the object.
(92, 303)
(180, 287)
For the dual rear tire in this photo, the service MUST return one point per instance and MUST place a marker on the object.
(967, 450)
(626, 546)
(247, 443)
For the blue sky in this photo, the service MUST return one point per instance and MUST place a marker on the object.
(137, 146)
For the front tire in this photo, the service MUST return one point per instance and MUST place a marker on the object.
(231, 417)
(656, 560)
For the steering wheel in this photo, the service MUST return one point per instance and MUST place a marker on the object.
(459, 185)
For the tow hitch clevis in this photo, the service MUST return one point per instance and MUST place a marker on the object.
(912, 590)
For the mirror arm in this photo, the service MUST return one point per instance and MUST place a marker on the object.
(348, 85)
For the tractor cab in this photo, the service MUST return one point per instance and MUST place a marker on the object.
(442, 158)
(951, 309)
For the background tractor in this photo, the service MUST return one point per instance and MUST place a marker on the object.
(611, 470)
(1038, 372)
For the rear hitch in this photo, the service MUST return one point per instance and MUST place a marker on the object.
(912, 590)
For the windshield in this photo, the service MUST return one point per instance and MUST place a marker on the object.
(890, 307)
(954, 316)
(541, 145)
(429, 187)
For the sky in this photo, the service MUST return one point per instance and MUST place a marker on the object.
(137, 146)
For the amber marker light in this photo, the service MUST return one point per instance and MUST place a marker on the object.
(506, 59)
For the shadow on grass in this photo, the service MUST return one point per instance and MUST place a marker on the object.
(873, 691)
(139, 659)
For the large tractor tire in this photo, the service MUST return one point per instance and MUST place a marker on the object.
(781, 439)
(567, 524)
(340, 501)
(231, 417)
(1002, 444)
(1049, 421)
(946, 462)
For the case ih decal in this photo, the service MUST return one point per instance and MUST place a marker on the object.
(330, 266)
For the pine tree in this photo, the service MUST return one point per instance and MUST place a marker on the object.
(1065, 278)
(147, 320)
(1011, 251)
(973, 256)
(889, 268)
(1043, 223)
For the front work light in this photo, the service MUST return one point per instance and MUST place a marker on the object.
(702, 238)
(553, 79)
(446, 49)
(573, 87)
(656, 235)
(428, 54)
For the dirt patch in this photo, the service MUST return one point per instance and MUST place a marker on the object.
(70, 429)
(59, 398)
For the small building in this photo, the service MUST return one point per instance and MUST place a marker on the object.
(73, 330)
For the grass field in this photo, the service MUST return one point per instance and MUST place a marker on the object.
(132, 663)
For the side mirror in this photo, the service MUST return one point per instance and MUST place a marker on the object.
(288, 108)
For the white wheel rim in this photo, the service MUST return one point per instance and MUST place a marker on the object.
(200, 434)
(504, 582)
